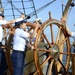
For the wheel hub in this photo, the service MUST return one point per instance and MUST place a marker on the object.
(55, 51)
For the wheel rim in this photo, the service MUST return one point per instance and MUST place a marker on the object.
(42, 56)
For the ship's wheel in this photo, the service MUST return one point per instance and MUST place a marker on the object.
(48, 55)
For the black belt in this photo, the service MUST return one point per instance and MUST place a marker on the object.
(18, 51)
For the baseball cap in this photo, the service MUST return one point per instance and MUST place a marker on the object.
(20, 22)
(39, 20)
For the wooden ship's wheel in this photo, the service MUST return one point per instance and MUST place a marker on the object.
(48, 55)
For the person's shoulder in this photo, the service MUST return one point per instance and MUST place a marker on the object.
(17, 30)
(3, 21)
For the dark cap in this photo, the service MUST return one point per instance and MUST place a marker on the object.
(19, 23)
(2, 15)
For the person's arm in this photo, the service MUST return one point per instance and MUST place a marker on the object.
(31, 35)
(30, 46)
(5, 35)
(13, 21)
(66, 27)
(35, 31)
(25, 34)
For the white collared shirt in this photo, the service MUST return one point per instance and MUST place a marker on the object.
(2, 22)
(19, 40)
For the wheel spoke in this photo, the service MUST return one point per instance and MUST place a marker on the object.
(43, 64)
(62, 64)
(46, 39)
(52, 35)
(63, 41)
(44, 50)
(46, 61)
(50, 68)
(58, 35)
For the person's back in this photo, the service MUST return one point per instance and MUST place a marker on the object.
(19, 41)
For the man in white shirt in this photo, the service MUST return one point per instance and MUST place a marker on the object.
(3, 65)
(19, 43)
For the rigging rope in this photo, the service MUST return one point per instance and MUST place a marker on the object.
(43, 7)
(15, 7)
